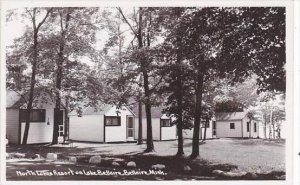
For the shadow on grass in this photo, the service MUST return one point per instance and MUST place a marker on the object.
(200, 169)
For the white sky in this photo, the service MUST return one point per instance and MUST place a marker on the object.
(18, 26)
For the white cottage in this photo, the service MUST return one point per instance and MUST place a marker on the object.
(106, 123)
(41, 118)
(162, 129)
(209, 134)
(236, 124)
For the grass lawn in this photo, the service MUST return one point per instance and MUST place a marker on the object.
(265, 159)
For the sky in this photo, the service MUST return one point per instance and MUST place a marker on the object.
(18, 25)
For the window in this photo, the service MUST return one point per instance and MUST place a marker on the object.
(60, 130)
(203, 123)
(254, 127)
(232, 126)
(248, 126)
(214, 132)
(36, 115)
(130, 127)
(214, 125)
(112, 121)
(165, 122)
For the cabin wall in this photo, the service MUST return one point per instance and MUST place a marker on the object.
(87, 128)
(188, 133)
(208, 131)
(155, 128)
(40, 132)
(250, 133)
(168, 133)
(117, 133)
(223, 129)
(12, 126)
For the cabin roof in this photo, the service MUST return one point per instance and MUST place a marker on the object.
(226, 116)
(11, 98)
(156, 112)
(89, 110)
(16, 100)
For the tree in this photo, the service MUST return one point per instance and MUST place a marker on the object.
(175, 70)
(37, 17)
(63, 47)
(217, 43)
(141, 56)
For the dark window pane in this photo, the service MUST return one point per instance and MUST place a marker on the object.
(248, 126)
(130, 133)
(165, 122)
(130, 122)
(37, 115)
(113, 121)
(232, 126)
(214, 125)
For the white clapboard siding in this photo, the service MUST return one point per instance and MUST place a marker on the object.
(223, 129)
(155, 128)
(168, 133)
(117, 133)
(12, 125)
(208, 131)
(87, 128)
(39, 132)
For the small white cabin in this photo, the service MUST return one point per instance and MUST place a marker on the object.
(209, 134)
(162, 129)
(42, 118)
(106, 123)
(236, 124)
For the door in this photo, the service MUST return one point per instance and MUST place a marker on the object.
(214, 129)
(61, 127)
(130, 128)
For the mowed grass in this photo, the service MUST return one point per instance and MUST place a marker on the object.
(249, 155)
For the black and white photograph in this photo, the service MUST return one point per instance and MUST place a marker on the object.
(146, 93)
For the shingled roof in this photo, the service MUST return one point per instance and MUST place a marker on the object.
(224, 116)
(156, 112)
(99, 110)
(16, 100)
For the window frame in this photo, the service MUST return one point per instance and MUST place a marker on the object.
(248, 126)
(230, 126)
(204, 124)
(214, 125)
(42, 119)
(161, 121)
(118, 118)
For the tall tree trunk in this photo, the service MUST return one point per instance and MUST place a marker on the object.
(34, 69)
(66, 128)
(249, 128)
(271, 122)
(59, 77)
(150, 146)
(32, 84)
(140, 130)
(205, 128)
(197, 114)
(179, 94)
(274, 133)
(180, 151)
